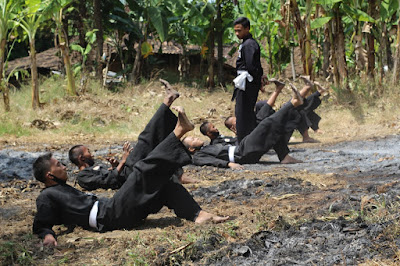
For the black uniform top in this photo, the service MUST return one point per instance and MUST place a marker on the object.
(249, 58)
(95, 177)
(224, 140)
(214, 155)
(61, 204)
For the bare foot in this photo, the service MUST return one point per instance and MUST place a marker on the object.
(171, 94)
(185, 179)
(279, 85)
(205, 217)
(307, 80)
(310, 140)
(290, 160)
(297, 100)
(319, 131)
(321, 89)
(183, 125)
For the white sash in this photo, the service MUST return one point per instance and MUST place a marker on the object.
(93, 215)
(240, 80)
(231, 153)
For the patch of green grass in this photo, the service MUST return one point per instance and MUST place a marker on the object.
(12, 253)
(13, 127)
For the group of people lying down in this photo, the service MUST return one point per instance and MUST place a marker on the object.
(150, 176)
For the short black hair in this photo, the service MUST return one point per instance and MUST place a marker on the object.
(245, 22)
(226, 122)
(41, 166)
(74, 153)
(204, 128)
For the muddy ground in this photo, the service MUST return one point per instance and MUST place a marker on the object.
(339, 207)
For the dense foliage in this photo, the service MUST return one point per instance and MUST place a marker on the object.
(337, 39)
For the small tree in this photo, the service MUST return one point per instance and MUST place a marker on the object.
(7, 8)
(30, 23)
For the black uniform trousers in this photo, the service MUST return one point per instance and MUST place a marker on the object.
(264, 110)
(244, 109)
(266, 135)
(148, 188)
(309, 118)
(159, 127)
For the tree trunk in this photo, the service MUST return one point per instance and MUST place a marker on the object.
(34, 77)
(211, 46)
(326, 50)
(340, 48)
(396, 65)
(307, 46)
(99, 37)
(335, 72)
(219, 35)
(137, 64)
(3, 86)
(301, 33)
(71, 90)
(371, 41)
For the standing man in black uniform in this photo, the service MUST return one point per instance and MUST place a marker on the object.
(248, 61)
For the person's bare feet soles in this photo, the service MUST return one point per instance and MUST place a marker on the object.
(297, 100)
(310, 140)
(205, 217)
(307, 80)
(171, 93)
(185, 179)
(290, 160)
(321, 89)
(279, 84)
(183, 125)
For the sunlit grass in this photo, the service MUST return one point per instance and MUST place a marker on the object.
(122, 113)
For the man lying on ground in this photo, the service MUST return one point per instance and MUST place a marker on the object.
(91, 176)
(146, 190)
(209, 130)
(307, 111)
(265, 136)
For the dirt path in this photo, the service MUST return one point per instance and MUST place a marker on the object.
(338, 207)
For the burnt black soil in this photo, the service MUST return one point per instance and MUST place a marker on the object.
(369, 169)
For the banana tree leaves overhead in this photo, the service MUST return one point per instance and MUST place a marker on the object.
(159, 22)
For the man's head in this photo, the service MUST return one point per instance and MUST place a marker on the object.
(230, 123)
(49, 170)
(80, 156)
(241, 27)
(192, 143)
(208, 129)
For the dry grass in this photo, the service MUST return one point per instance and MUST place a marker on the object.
(101, 117)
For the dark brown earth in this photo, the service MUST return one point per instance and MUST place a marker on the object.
(338, 207)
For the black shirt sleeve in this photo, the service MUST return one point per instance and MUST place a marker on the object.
(95, 177)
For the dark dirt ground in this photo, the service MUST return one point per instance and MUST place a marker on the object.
(339, 207)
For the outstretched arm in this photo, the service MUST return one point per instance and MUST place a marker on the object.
(126, 151)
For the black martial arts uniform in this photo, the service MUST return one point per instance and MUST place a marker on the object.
(147, 189)
(309, 119)
(266, 135)
(159, 127)
(249, 60)
(225, 140)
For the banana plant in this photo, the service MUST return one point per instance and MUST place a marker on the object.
(30, 23)
(266, 23)
(144, 18)
(55, 10)
(90, 38)
(8, 9)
